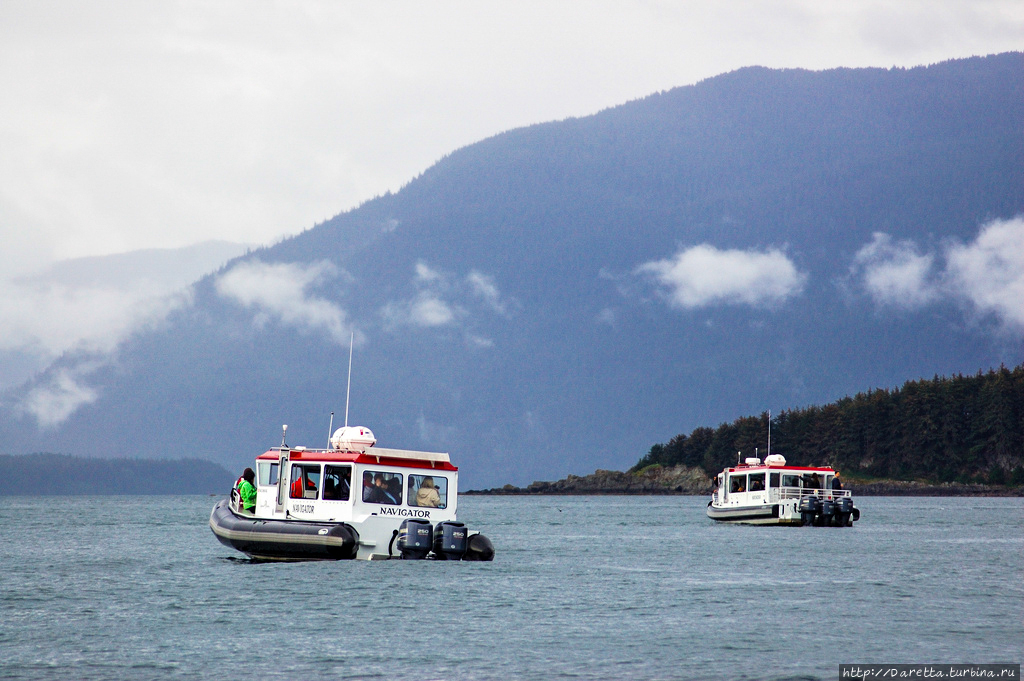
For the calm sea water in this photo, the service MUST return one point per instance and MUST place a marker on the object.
(581, 588)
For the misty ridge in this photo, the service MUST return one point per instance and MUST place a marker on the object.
(557, 298)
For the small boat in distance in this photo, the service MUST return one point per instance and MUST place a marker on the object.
(351, 500)
(774, 493)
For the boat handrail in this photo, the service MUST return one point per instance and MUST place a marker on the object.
(801, 492)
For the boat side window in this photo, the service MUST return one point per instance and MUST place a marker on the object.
(305, 481)
(428, 490)
(337, 482)
(737, 483)
(756, 482)
(380, 487)
(266, 473)
(773, 480)
(791, 480)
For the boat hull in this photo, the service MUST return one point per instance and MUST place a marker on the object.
(778, 514)
(751, 515)
(283, 540)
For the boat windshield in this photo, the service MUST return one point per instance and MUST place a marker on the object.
(266, 473)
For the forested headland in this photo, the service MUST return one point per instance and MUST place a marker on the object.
(960, 429)
(62, 474)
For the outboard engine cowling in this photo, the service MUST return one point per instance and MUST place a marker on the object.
(415, 539)
(828, 512)
(844, 508)
(479, 547)
(450, 540)
(809, 508)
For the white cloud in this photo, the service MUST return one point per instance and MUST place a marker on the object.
(482, 342)
(91, 305)
(42, 319)
(56, 318)
(279, 290)
(703, 275)
(894, 273)
(986, 275)
(426, 274)
(53, 400)
(483, 287)
(989, 272)
(433, 306)
(428, 310)
(425, 310)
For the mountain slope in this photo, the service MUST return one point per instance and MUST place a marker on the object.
(555, 298)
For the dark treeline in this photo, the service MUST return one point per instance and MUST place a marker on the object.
(960, 429)
(61, 474)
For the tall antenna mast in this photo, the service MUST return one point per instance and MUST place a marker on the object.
(348, 389)
(769, 432)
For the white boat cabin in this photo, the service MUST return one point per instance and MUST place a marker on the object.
(325, 485)
(754, 483)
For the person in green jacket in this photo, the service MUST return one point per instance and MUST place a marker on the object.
(247, 490)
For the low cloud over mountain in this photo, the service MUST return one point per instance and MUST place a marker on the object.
(985, 275)
(703, 275)
(281, 291)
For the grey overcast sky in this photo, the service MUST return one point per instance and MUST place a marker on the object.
(128, 125)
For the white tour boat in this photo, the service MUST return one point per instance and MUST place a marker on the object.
(351, 500)
(773, 493)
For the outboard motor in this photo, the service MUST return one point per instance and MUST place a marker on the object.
(844, 509)
(479, 547)
(450, 540)
(415, 539)
(809, 509)
(828, 512)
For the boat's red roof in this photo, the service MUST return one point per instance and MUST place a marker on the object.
(762, 466)
(367, 457)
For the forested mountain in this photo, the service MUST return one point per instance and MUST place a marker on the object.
(64, 475)
(555, 298)
(958, 429)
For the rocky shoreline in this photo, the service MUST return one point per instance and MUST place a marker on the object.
(655, 480)
(902, 488)
(683, 480)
